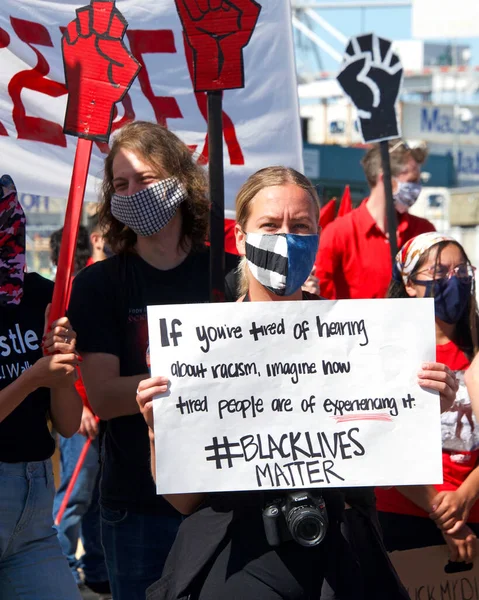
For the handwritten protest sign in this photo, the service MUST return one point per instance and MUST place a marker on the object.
(427, 574)
(294, 395)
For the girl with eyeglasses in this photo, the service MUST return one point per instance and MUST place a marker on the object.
(434, 265)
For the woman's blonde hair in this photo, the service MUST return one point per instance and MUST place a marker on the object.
(270, 176)
(164, 152)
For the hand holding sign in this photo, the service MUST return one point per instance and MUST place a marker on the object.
(99, 69)
(371, 76)
(301, 396)
(217, 31)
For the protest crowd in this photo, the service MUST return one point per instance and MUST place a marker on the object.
(94, 362)
(82, 388)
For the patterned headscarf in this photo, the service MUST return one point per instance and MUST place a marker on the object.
(12, 243)
(409, 255)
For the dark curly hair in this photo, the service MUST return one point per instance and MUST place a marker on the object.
(163, 151)
(82, 251)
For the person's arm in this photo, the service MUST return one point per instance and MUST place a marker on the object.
(471, 378)
(16, 392)
(65, 402)
(109, 394)
(438, 377)
(65, 410)
(460, 540)
(147, 390)
(53, 371)
(328, 261)
(89, 426)
(451, 508)
(49, 371)
(98, 314)
(420, 495)
(462, 545)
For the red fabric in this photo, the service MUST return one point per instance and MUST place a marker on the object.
(346, 205)
(89, 262)
(454, 471)
(354, 260)
(80, 388)
(327, 213)
(230, 239)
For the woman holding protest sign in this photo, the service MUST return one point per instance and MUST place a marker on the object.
(35, 386)
(223, 548)
(155, 214)
(435, 265)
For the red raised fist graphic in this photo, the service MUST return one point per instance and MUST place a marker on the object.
(99, 69)
(217, 31)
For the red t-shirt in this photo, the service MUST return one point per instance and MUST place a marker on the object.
(354, 259)
(460, 438)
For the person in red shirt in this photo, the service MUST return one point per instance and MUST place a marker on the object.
(433, 265)
(353, 259)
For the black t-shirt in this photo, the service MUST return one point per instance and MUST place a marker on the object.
(24, 434)
(108, 312)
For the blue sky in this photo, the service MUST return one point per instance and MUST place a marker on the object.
(392, 23)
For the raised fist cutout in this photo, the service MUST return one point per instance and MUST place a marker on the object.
(217, 31)
(99, 69)
(371, 76)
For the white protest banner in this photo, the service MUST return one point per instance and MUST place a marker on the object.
(294, 394)
(261, 121)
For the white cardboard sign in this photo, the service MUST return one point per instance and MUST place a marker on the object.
(294, 395)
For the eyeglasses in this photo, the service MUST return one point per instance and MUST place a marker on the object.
(463, 271)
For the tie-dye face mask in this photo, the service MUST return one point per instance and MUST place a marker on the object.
(12, 243)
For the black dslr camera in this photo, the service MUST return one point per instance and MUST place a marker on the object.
(300, 516)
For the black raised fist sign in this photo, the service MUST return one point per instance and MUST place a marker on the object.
(371, 76)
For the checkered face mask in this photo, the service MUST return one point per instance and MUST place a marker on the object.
(150, 209)
(281, 262)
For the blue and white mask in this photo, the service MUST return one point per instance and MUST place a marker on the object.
(281, 262)
(406, 195)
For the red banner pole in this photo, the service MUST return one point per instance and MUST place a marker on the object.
(73, 480)
(61, 291)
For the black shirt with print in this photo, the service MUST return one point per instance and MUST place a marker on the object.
(108, 312)
(24, 434)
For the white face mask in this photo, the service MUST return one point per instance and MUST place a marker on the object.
(150, 209)
(406, 195)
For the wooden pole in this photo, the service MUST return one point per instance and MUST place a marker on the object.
(390, 210)
(217, 196)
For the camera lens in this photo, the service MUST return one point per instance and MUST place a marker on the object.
(307, 527)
